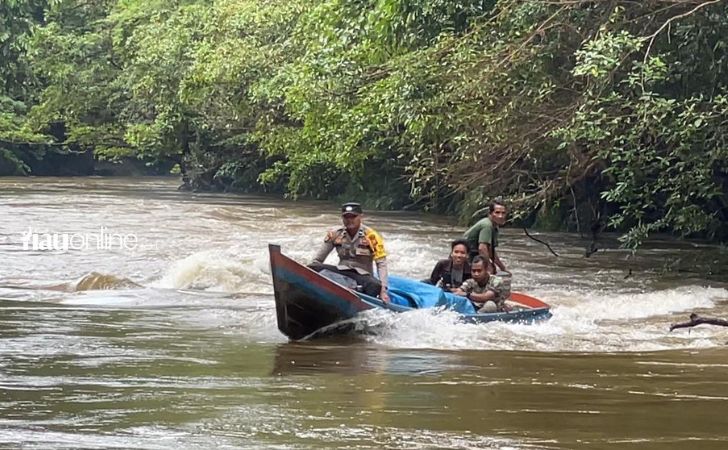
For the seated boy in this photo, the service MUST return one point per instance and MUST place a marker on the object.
(488, 293)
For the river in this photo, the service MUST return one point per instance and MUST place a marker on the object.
(164, 335)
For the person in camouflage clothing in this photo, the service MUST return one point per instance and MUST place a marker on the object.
(487, 292)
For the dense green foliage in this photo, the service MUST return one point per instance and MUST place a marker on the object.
(611, 113)
(16, 20)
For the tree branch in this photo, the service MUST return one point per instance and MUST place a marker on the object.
(541, 242)
(696, 320)
(653, 36)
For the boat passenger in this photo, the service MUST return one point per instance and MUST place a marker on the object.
(359, 247)
(487, 292)
(483, 236)
(450, 273)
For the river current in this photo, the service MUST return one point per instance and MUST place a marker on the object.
(136, 316)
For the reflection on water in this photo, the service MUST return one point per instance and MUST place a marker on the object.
(174, 343)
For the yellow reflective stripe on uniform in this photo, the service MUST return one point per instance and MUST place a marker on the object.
(376, 243)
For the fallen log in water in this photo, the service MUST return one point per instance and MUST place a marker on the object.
(696, 320)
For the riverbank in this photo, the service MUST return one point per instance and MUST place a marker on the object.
(55, 163)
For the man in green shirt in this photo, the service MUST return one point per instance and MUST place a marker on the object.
(483, 236)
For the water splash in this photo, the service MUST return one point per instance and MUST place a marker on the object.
(625, 322)
(218, 270)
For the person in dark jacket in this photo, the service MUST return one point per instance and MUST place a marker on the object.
(450, 273)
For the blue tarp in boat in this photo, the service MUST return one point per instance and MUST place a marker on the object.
(415, 294)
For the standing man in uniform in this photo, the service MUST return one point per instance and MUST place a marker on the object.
(359, 247)
(483, 236)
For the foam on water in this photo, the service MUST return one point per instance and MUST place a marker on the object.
(219, 270)
(593, 324)
(639, 306)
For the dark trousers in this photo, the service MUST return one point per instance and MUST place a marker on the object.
(369, 285)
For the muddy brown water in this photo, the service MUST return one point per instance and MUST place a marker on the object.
(168, 339)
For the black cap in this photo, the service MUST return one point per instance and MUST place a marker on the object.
(351, 208)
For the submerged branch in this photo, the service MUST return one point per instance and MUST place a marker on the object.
(696, 320)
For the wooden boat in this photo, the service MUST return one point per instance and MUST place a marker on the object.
(308, 304)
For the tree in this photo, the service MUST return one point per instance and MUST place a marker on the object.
(608, 113)
(17, 143)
